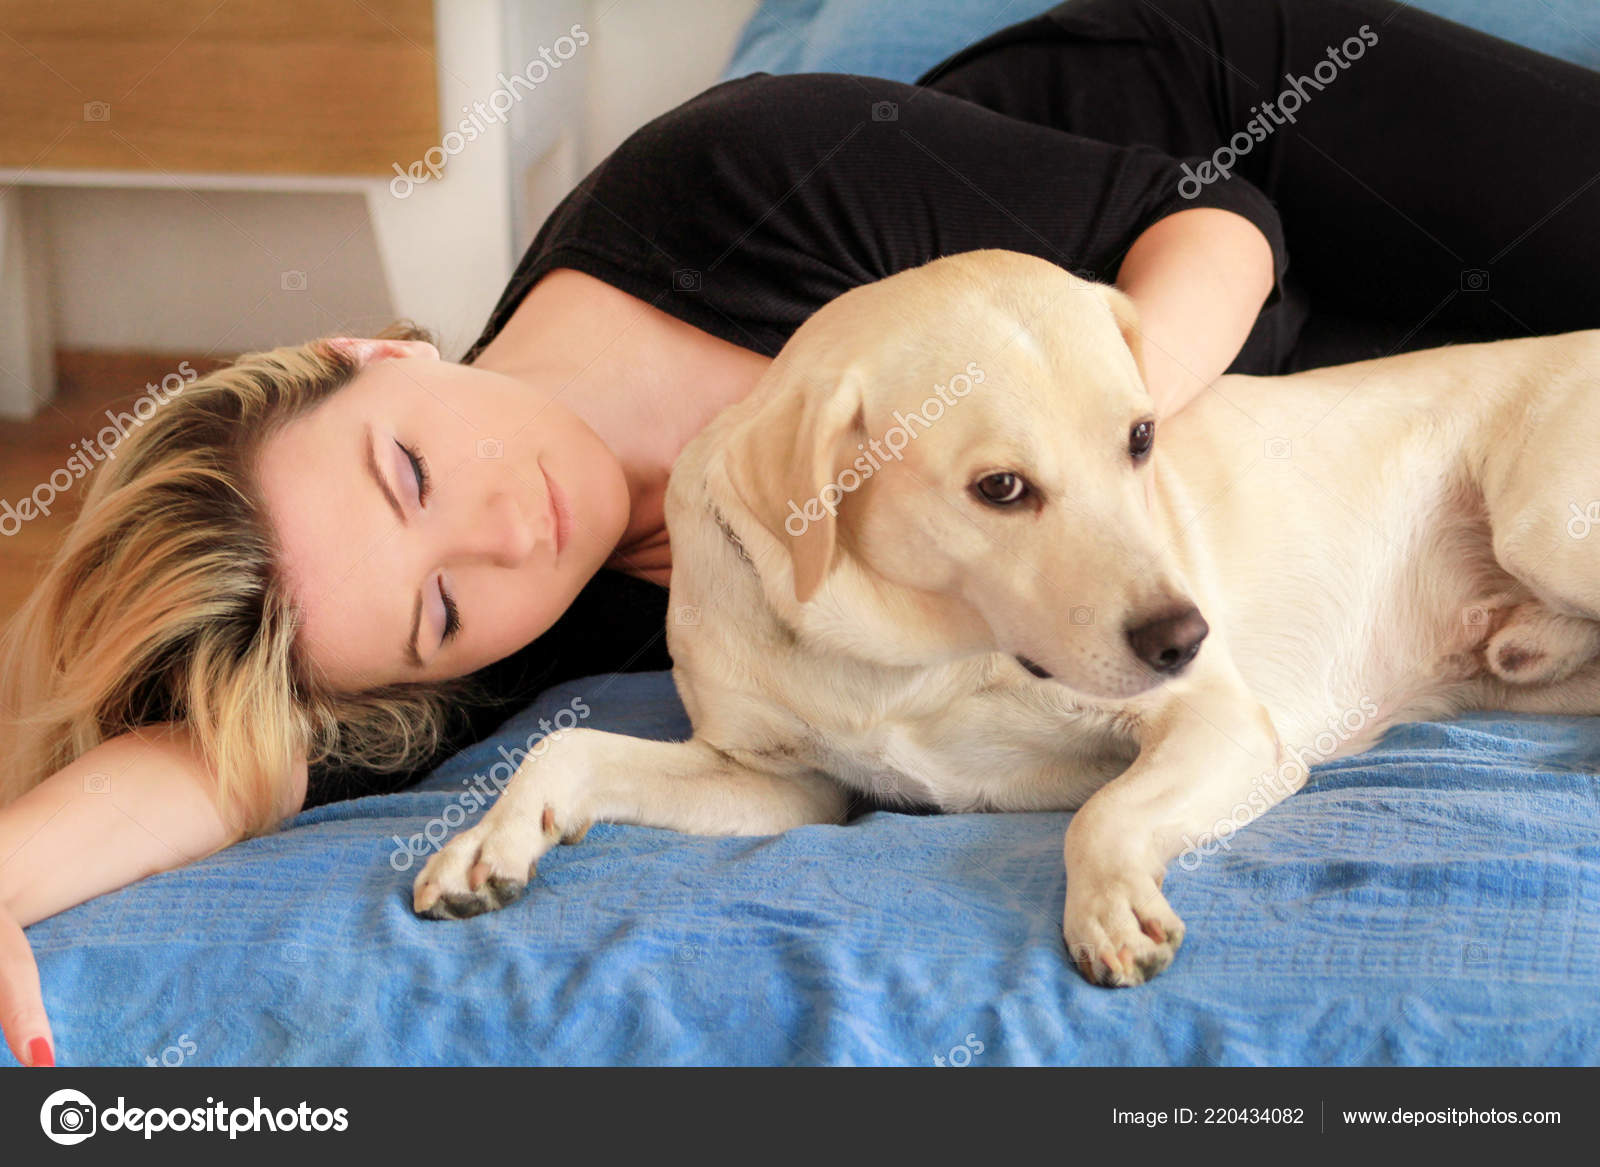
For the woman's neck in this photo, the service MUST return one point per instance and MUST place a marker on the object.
(643, 380)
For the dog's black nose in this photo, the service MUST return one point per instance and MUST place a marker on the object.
(1169, 642)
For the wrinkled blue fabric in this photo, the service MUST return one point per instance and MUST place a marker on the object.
(1436, 900)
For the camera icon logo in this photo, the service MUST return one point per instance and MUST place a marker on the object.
(490, 449)
(688, 953)
(68, 1117)
(1083, 614)
(885, 111)
(1277, 449)
(687, 614)
(686, 279)
(96, 111)
(1474, 279)
(293, 281)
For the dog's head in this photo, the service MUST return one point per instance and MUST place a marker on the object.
(967, 446)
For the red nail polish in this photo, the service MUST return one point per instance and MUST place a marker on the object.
(39, 1051)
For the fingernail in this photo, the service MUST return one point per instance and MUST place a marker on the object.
(39, 1053)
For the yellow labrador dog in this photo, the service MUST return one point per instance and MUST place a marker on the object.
(937, 555)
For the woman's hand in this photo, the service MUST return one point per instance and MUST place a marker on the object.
(27, 1029)
(139, 803)
(1198, 278)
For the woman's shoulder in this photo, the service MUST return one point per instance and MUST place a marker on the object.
(769, 104)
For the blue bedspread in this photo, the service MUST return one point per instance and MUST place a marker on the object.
(1436, 900)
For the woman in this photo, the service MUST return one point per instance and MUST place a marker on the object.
(321, 568)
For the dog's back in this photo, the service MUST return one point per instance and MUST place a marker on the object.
(1335, 524)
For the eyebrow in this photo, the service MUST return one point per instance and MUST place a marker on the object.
(409, 650)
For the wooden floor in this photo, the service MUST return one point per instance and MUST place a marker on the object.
(89, 384)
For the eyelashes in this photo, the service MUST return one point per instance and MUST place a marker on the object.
(419, 467)
(452, 615)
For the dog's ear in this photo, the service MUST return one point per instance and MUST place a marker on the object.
(1127, 317)
(784, 465)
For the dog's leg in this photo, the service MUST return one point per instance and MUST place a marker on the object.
(589, 776)
(1536, 646)
(1208, 763)
(1543, 500)
(1541, 506)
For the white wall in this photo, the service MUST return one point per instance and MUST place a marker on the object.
(643, 58)
(172, 271)
(651, 55)
(165, 270)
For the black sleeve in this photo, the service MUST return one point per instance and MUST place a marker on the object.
(748, 207)
(617, 624)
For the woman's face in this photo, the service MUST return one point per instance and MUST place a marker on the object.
(434, 518)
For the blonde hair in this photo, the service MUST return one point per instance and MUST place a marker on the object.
(164, 603)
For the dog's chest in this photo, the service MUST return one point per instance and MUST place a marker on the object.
(893, 761)
(1019, 746)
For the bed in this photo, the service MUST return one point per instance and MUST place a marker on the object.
(1433, 901)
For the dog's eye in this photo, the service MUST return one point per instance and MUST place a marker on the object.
(1140, 438)
(1002, 489)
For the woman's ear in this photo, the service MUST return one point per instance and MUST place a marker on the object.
(365, 350)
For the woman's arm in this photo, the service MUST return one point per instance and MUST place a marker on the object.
(1198, 278)
(132, 806)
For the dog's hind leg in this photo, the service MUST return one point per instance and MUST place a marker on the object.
(1536, 646)
(590, 776)
(1542, 495)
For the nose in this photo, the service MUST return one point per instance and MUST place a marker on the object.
(1169, 642)
(501, 533)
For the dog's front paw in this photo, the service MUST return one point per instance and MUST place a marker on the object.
(1120, 931)
(488, 866)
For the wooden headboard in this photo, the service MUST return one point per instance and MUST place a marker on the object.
(244, 86)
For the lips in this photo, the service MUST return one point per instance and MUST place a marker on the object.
(560, 512)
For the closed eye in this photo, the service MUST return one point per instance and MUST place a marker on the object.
(417, 464)
(452, 615)
(419, 472)
(424, 484)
